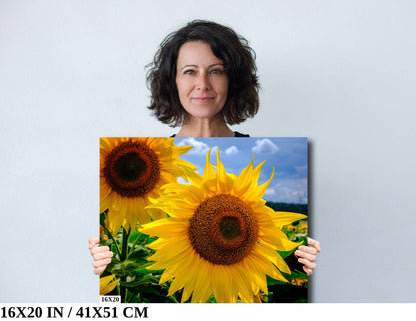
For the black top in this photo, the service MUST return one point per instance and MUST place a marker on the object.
(236, 134)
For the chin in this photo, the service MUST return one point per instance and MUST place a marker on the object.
(203, 114)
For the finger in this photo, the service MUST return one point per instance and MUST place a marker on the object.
(308, 271)
(101, 263)
(99, 249)
(93, 242)
(315, 244)
(304, 255)
(103, 255)
(307, 263)
(99, 270)
(307, 249)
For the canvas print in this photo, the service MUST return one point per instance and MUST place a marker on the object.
(204, 219)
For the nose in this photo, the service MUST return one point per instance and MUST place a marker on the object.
(203, 82)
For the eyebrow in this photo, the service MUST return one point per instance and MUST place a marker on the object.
(216, 64)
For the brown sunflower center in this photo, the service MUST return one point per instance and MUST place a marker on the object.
(132, 169)
(223, 229)
(229, 227)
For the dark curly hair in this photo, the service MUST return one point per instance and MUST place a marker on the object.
(239, 59)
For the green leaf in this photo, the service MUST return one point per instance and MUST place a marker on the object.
(295, 275)
(140, 281)
(139, 253)
(285, 254)
(154, 294)
(134, 236)
(108, 242)
(272, 282)
(129, 267)
(146, 271)
(102, 219)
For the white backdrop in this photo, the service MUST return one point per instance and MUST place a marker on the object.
(341, 73)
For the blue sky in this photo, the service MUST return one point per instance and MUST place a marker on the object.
(288, 156)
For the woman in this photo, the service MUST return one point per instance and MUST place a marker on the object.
(203, 78)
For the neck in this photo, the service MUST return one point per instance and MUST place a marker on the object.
(205, 128)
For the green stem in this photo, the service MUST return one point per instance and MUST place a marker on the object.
(124, 244)
(131, 298)
(114, 241)
(134, 244)
(174, 299)
(123, 256)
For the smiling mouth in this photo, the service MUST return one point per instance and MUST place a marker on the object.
(203, 99)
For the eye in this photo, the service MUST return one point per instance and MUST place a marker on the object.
(189, 72)
(217, 71)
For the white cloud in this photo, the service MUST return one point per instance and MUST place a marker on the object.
(265, 146)
(270, 191)
(200, 148)
(231, 150)
(290, 191)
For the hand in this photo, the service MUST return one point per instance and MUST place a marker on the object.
(307, 255)
(101, 254)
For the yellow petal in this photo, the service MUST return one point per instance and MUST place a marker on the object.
(165, 228)
(283, 218)
(209, 172)
(278, 240)
(107, 284)
(202, 290)
(264, 251)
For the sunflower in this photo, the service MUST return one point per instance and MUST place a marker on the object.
(299, 281)
(132, 170)
(220, 237)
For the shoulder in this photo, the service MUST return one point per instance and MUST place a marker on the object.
(237, 134)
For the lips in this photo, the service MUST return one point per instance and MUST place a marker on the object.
(203, 99)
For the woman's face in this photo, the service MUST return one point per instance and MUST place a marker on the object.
(201, 81)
